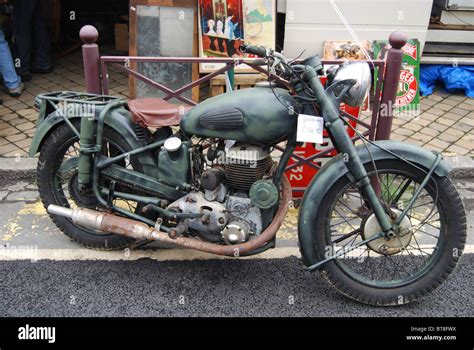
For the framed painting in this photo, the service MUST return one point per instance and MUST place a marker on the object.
(163, 28)
(224, 25)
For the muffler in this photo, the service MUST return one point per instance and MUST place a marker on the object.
(106, 222)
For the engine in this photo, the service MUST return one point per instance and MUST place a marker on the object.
(232, 196)
(245, 164)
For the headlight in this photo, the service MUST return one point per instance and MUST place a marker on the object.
(358, 71)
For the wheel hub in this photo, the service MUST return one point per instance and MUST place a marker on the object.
(86, 200)
(390, 246)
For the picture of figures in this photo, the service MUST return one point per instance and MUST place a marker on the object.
(227, 24)
(222, 27)
(259, 22)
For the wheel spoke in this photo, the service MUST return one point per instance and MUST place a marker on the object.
(397, 187)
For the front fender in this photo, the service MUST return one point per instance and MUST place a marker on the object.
(335, 169)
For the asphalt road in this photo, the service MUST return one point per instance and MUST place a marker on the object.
(74, 285)
(201, 288)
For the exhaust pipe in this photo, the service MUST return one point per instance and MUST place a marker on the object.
(106, 222)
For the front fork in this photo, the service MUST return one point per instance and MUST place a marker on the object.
(336, 128)
(334, 124)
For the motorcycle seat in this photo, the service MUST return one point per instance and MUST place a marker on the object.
(155, 112)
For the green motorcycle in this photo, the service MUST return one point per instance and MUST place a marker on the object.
(381, 221)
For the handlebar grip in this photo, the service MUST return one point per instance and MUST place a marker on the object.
(254, 50)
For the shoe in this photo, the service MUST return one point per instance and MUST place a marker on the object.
(25, 77)
(16, 91)
(41, 70)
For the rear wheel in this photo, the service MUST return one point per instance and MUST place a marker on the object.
(406, 267)
(61, 189)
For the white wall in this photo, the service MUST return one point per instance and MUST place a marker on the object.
(310, 22)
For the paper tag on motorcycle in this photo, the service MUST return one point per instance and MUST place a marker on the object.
(310, 129)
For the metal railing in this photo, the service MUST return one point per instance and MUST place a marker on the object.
(383, 92)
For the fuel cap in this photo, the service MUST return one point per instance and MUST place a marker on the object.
(172, 144)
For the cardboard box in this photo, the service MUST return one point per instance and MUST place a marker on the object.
(121, 37)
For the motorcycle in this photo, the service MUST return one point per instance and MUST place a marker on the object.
(381, 220)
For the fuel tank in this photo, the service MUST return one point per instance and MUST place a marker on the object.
(253, 115)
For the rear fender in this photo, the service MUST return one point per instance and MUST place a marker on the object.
(118, 119)
(335, 169)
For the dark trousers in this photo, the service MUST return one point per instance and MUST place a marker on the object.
(31, 35)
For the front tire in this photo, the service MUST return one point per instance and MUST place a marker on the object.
(424, 262)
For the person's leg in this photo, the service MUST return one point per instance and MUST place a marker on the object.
(10, 78)
(21, 21)
(41, 61)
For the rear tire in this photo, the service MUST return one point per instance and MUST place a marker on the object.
(52, 154)
(450, 244)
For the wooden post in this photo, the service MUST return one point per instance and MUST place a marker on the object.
(393, 68)
(90, 56)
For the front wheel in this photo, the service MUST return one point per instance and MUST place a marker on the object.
(403, 268)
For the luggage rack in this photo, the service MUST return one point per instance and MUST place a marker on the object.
(75, 97)
(58, 101)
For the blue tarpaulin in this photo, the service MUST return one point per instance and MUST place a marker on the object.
(453, 78)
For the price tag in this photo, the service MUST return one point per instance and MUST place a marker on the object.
(310, 129)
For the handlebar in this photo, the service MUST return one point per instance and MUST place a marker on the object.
(259, 51)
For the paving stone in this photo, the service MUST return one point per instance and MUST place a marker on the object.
(438, 126)
(469, 101)
(404, 132)
(443, 106)
(24, 144)
(436, 111)
(459, 111)
(455, 132)
(4, 111)
(414, 142)
(439, 143)
(19, 153)
(397, 137)
(469, 120)
(4, 125)
(461, 126)
(431, 147)
(457, 150)
(17, 121)
(27, 196)
(412, 126)
(25, 112)
(452, 116)
(429, 131)
(25, 126)
(16, 187)
(7, 148)
(466, 106)
(450, 102)
(434, 97)
(420, 137)
(429, 116)
(457, 97)
(445, 121)
(448, 138)
(16, 137)
(32, 187)
(422, 121)
(9, 117)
